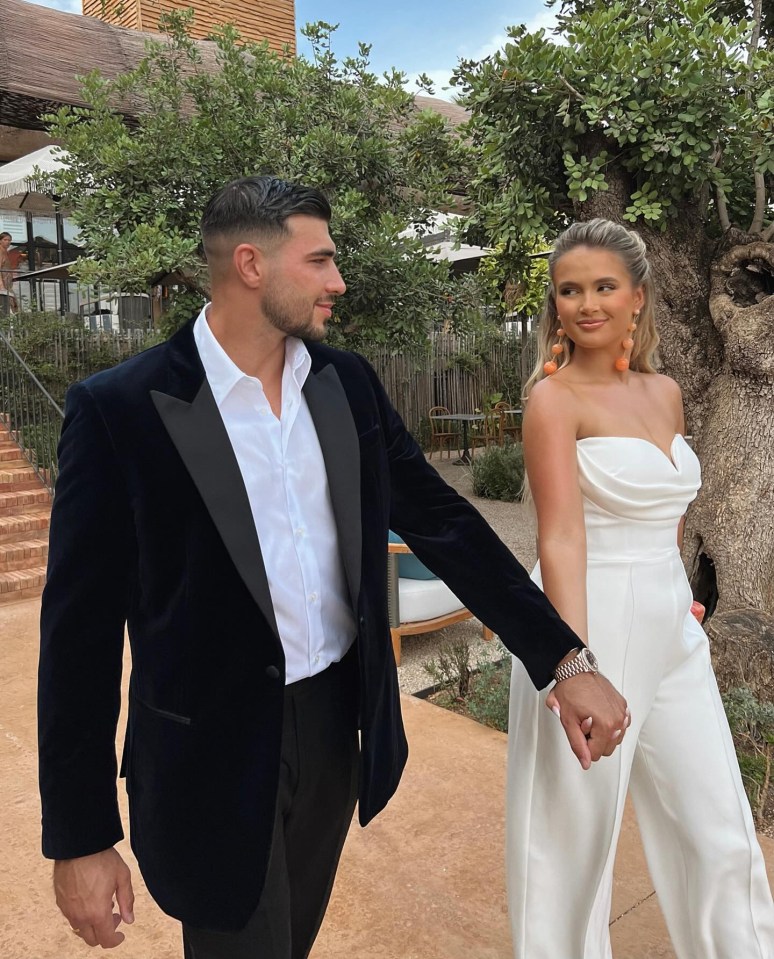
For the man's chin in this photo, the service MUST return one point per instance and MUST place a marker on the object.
(315, 332)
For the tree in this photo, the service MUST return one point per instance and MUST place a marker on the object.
(156, 142)
(660, 115)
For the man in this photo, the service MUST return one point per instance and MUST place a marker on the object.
(228, 495)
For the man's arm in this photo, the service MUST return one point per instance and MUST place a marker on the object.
(451, 537)
(84, 609)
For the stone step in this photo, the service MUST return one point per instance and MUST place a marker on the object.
(28, 524)
(23, 554)
(21, 584)
(14, 501)
(18, 478)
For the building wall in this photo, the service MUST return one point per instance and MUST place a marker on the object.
(272, 20)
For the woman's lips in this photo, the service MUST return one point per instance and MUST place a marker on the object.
(590, 324)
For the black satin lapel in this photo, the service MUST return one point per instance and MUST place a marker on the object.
(201, 439)
(337, 434)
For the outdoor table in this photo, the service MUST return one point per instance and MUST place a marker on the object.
(463, 418)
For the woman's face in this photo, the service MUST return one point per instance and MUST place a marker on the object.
(5, 242)
(595, 298)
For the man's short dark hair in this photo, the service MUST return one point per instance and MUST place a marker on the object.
(259, 206)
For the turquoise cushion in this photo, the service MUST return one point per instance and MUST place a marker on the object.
(409, 567)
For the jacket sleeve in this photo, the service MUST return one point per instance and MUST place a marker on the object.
(84, 610)
(452, 538)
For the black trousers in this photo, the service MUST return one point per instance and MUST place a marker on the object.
(315, 802)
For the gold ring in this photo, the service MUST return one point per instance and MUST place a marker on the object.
(76, 931)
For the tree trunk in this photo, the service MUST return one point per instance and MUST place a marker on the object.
(731, 535)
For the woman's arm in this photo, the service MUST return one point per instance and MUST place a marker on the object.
(550, 430)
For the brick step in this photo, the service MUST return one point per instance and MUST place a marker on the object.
(23, 554)
(14, 501)
(31, 523)
(21, 584)
(11, 454)
(21, 478)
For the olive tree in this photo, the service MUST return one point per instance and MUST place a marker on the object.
(660, 115)
(154, 143)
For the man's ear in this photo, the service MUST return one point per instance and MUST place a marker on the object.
(249, 263)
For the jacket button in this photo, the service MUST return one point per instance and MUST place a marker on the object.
(272, 672)
(362, 620)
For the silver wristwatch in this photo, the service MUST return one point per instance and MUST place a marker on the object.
(584, 662)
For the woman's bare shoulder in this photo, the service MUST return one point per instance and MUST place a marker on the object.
(662, 387)
(552, 402)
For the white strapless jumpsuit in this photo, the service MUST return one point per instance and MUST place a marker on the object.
(677, 759)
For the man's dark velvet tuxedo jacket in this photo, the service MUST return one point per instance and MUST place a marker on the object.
(151, 526)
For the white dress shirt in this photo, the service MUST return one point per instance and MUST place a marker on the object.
(284, 474)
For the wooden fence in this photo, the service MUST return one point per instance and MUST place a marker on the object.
(459, 372)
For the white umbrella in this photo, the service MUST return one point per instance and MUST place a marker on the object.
(26, 183)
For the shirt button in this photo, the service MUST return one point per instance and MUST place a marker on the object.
(317, 659)
(313, 597)
(300, 531)
(264, 411)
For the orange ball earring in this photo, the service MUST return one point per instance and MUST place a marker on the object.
(557, 349)
(622, 363)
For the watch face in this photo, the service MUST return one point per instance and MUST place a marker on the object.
(591, 659)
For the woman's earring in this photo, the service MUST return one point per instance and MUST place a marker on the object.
(557, 349)
(622, 363)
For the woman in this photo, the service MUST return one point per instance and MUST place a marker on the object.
(611, 477)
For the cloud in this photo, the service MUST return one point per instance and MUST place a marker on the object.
(441, 78)
(545, 20)
(68, 6)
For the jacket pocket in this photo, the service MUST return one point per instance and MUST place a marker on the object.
(162, 713)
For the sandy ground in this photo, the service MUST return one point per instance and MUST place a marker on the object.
(424, 881)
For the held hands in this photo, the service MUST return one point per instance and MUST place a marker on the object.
(594, 715)
(86, 890)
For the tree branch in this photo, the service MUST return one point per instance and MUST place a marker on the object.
(755, 36)
(760, 204)
(725, 222)
(760, 187)
(571, 88)
(768, 233)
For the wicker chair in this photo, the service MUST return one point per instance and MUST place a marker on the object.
(440, 434)
(419, 602)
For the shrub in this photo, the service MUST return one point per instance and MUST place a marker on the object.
(451, 671)
(489, 697)
(498, 473)
(752, 723)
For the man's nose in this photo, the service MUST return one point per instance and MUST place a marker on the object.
(336, 283)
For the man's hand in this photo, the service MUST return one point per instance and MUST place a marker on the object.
(594, 715)
(86, 890)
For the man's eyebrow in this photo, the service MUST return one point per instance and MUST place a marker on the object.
(329, 251)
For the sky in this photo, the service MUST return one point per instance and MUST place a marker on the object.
(415, 36)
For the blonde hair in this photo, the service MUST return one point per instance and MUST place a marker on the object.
(629, 246)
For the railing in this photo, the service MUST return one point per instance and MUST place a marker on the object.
(29, 413)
